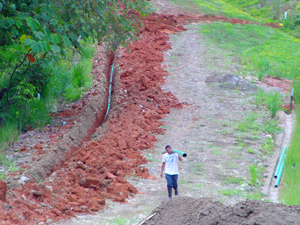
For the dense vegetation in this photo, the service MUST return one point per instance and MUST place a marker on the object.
(39, 39)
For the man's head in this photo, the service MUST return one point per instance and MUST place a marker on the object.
(168, 149)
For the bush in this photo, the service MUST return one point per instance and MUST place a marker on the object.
(72, 93)
(273, 102)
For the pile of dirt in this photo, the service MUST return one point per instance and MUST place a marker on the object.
(96, 170)
(184, 210)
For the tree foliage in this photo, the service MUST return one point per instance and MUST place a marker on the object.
(34, 32)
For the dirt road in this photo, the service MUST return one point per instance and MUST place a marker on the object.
(219, 155)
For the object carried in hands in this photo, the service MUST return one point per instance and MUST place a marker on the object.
(179, 152)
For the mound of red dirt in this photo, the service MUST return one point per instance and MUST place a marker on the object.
(96, 171)
(208, 211)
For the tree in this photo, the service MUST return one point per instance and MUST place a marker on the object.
(34, 32)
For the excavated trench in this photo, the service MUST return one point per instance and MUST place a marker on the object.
(25, 191)
(83, 177)
(94, 108)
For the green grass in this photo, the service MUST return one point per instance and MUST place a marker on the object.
(8, 134)
(256, 8)
(193, 186)
(72, 93)
(232, 180)
(9, 164)
(2, 176)
(241, 144)
(273, 11)
(80, 76)
(13, 168)
(297, 91)
(150, 158)
(251, 151)
(254, 195)
(4, 161)
(232, 165)
(230, 192)
(273, 102)
(216, 7)
(183, 181)
(268, 146)
(256, 124)
(270, 126)
(122, 220)
(255, 172)
(263, 50)
(198, 148)
(197, 168)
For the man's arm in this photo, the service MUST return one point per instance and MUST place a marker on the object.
(162, 169)
(179, 157)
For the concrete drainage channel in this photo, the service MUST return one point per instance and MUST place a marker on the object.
(270, 189)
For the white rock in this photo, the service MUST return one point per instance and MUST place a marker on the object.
(23, 197)
(50, 188)
(25, 179)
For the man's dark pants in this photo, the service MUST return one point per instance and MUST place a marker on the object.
(172, 183)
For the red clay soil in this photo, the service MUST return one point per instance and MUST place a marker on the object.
(211, 18)
(97, 170)
(283, 84)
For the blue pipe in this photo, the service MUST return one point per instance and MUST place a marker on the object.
(279, 163)
(280, 172)
(110, 89)
(179, 152)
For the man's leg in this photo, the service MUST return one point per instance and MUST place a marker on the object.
(169, 192)
(169, 185)
(176, 191)
(175, 185)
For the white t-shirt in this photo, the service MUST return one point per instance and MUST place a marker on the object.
(171, 163)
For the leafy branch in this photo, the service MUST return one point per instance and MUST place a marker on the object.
(34, 33)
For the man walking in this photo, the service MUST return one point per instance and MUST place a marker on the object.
(170, 166)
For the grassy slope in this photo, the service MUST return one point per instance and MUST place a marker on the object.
(259, 48)
(263, 51)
